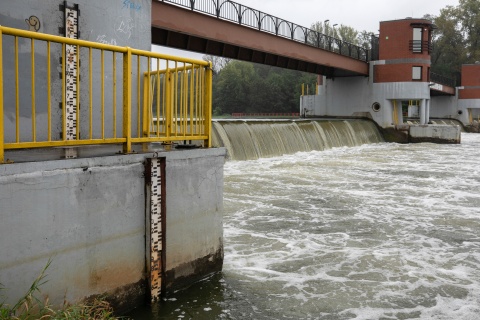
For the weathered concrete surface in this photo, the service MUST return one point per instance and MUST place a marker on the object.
(83, 215)
(194, 239)
(434, 133)
(115, 22)
(88, 216)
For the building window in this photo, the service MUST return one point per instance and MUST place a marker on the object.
(416, 73)
(417, 40)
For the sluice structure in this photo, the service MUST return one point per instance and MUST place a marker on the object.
(106, 160)
(400, 93)
(254, 139)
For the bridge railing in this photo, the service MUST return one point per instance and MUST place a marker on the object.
(437, 78)
(249, 17)
(63, 92)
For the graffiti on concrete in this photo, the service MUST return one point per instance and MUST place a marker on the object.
(33, 23)
(131, 5)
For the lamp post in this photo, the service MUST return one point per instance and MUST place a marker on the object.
(334, 31)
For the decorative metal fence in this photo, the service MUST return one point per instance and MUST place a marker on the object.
(249, 17)
(437, 78)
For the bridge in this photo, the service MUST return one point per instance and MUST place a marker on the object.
(229, 29)
(232, 30)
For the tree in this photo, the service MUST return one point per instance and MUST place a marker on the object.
(233, 87)
(456, 40)
(468, 13)
(448, 43)
(253, 88)
(343, 32)
(218, 63)
(347, 34)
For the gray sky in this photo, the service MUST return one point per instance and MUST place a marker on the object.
(358, 14)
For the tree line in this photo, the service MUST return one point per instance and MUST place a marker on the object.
(456, 40)
(250, 88)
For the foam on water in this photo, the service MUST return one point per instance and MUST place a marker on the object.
(382, 231)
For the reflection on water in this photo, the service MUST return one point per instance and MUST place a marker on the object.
(381, 231)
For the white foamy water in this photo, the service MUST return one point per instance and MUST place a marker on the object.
(382, 231)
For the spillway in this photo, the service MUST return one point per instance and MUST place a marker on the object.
(254, 139)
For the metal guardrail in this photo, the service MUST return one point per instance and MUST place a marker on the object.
(437, 78)
(188, 100)
(249, 17)
(419, 46)
(176, 101)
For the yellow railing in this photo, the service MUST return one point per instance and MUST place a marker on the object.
(175, 102)
(172, 103)
(303, 89)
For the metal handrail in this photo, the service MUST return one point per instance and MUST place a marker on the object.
(189, 100)
(438, 78)
(419, 46)
(252, 18)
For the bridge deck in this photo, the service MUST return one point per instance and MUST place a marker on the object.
(180, 28)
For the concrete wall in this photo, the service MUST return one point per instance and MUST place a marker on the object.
(117, 22)
(355, 96)
(88, 216)
(194, 239)
(434, 133)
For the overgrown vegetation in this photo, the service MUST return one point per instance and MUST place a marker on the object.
(456, 40)
(245, 87)
(30, 306)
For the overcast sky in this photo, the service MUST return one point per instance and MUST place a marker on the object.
(358, 14)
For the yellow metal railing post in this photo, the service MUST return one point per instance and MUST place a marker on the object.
(395, 112)
(127, 100)
(182, 108)
(146, 102)
(2, 152)
(169, 102)
(208, 105)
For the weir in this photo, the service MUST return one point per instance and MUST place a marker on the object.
(254, 139)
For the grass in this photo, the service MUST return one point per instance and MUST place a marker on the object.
(30, 307)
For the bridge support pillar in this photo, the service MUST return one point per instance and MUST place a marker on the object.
(422, 111)
(427, 111)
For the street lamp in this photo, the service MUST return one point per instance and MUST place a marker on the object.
(325, 27)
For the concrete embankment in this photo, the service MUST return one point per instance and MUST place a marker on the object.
(90, 217)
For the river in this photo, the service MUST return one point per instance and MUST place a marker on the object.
(378, 231)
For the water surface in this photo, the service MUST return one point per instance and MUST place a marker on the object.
(379, 231)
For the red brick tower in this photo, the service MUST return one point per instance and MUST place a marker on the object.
(405, 45)
(469, 92)
(402, 70)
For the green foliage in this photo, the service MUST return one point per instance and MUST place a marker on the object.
(342, 32)
(456, 40)
(252, 88)
(30, 307)
(468, 14)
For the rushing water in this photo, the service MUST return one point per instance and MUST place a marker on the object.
(254, 139)
(378, 231)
